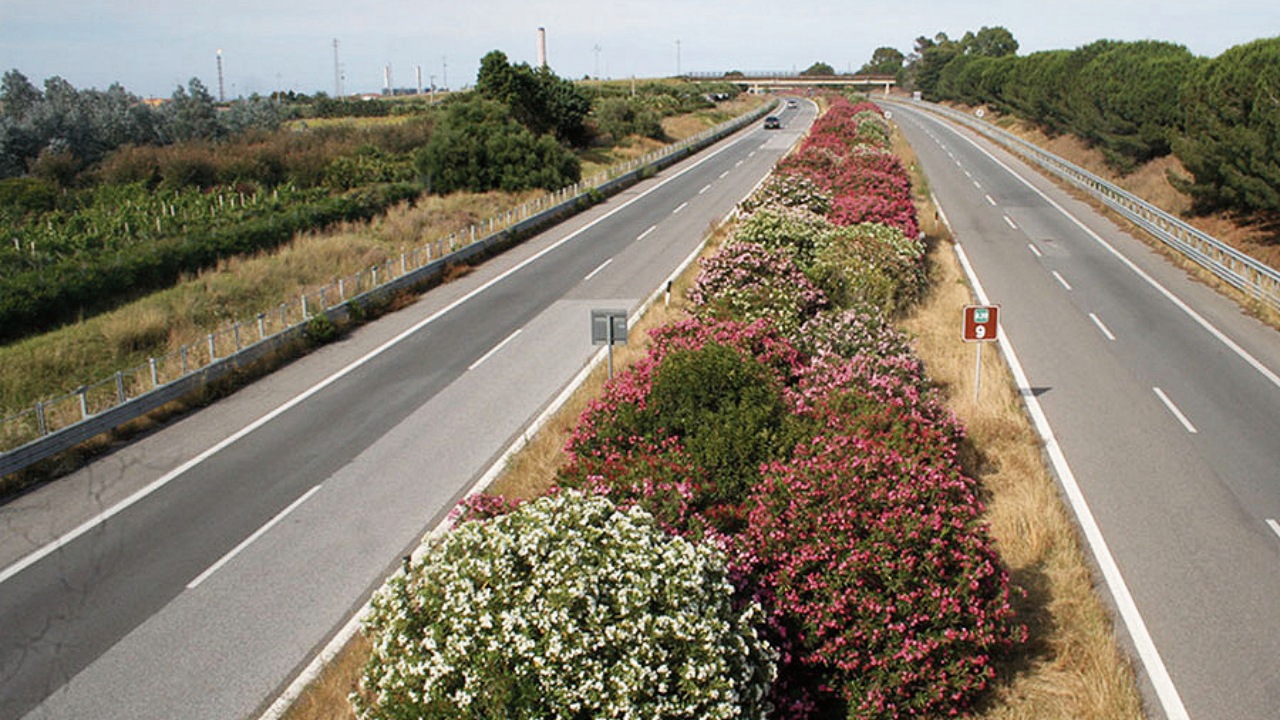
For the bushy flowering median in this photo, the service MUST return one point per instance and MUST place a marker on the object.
(786, 423)
(566, 608)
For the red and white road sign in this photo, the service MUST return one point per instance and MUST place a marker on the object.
(981, 323)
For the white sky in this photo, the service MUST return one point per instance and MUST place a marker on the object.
(152, 46)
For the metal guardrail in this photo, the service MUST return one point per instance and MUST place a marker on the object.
(1241, 271)
(57, 424)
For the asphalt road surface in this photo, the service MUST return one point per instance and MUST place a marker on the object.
(1164, 401)
(194, 572)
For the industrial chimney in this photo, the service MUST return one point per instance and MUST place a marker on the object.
(542, 47)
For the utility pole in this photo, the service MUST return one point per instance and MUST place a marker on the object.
(444, 79)
(597, 49)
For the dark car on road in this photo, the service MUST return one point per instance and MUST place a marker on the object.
(772, 123)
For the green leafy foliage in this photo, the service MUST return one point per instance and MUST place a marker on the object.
(537, 98)
(479, 146)
(1232, 139)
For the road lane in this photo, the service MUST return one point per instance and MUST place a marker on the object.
(1184, 514)
(391, 446)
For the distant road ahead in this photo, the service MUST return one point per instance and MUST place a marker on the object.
(274, 513)
(1165, 401)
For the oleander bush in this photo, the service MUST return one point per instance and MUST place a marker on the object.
(747, 282)
(566, 607)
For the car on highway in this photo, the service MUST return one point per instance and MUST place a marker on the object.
(791, 103)
(772, 123)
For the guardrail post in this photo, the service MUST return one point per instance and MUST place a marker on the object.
(342, 289)
(41, 424)
(235, 332)
(120, 396)
(403, 265)
(374, 270)
(84, 402)
(155, 373)
(323, 303)
(262, 326)
(305, 313)
(183, 353)
(213, 352)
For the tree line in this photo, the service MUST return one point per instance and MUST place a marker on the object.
(1134, 101)
(58, 130)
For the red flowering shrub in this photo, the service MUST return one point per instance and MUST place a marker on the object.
(861, 330)
(879, 580)
(854, 209)
(697, 417)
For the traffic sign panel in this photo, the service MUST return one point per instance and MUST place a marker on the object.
(981, 323)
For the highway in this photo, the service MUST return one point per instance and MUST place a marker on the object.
(191, 574)
(1164, 402)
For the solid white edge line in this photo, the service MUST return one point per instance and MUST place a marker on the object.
(1101, 326)
(1061, 280)
(602, 266)
(1128, 609)
(249, 540)
(494, 351)
(1175, 411)
(1035, 250)
(1168, 294)
(49, 548)
(1274, 525)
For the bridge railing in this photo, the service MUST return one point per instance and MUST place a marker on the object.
(1247, 274)
(59, 423)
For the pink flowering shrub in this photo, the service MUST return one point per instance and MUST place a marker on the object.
(748, 282)
(860, 330)
(788, 191)
(856, 208)
(697, 417)
(884, 591)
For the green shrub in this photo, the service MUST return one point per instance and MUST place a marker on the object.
(565, 608)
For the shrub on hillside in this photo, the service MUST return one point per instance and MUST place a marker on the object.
(478, 146)
(564, 608)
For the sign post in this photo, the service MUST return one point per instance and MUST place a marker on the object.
(981, 325)
(609, 327)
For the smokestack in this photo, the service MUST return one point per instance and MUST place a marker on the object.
(542, 47)
(386, 78)
(418, 71)
(222, 94)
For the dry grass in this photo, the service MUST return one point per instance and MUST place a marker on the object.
(1071, 667)
(326, 699)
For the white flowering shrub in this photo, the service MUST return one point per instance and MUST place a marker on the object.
(565, 608)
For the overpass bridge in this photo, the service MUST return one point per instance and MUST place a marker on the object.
(760, 81)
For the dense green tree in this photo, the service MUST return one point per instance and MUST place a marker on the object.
(478, 145)
(1125, 100)
(990, 42)
(884, 61)
(538, 99)
(818, 68)
(192, 113)
(1232, 139)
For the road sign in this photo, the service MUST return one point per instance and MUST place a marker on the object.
(608, 327)
(981, 323)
